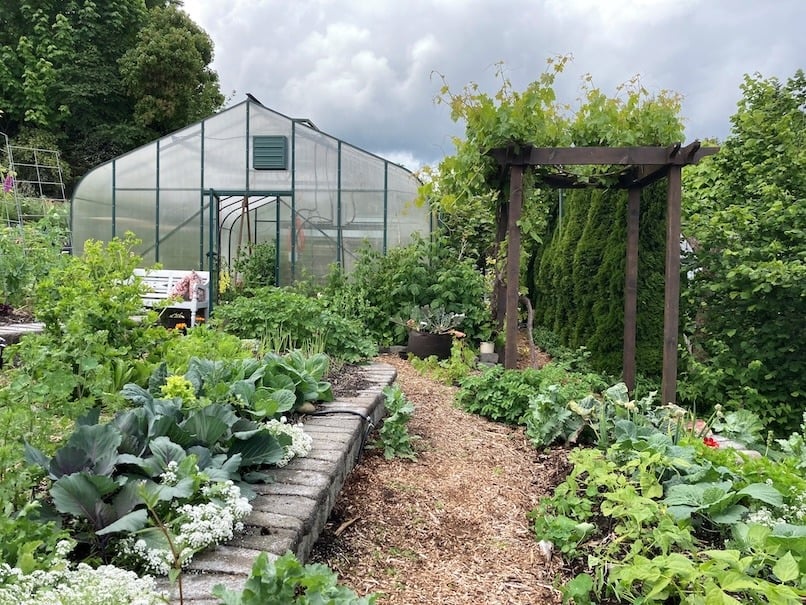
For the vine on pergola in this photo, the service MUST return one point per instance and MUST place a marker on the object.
(508, 128)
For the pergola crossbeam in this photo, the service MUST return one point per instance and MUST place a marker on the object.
(598, 156)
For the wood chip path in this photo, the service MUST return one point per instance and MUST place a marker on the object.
(452, 527)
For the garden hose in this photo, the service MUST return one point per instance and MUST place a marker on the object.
(369, 425)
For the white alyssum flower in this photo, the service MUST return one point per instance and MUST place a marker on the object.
(793, 513)
(168, 477)
(195, 527)
(82, 585)
(301, 442)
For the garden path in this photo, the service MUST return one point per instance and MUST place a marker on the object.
(451, 527)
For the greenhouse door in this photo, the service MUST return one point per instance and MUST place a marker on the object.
(247, 225)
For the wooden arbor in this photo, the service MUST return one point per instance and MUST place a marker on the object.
(640, 166)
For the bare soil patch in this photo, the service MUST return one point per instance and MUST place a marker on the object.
(452, 527)
(10, 316)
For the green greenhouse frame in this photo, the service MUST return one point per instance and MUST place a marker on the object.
(201, 196)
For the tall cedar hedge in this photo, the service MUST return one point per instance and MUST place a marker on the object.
(578, 283)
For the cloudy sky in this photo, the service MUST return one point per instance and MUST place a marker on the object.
(364, 70)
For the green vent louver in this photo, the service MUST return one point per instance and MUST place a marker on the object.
(270, 153)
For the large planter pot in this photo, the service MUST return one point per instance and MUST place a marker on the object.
(425, 344)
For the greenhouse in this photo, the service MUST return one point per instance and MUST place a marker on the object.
(203, 196)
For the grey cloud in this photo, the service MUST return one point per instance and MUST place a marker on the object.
(363, 71)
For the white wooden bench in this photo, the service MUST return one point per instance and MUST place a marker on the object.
(161, 290)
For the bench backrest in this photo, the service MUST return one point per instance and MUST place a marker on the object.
(161, 282)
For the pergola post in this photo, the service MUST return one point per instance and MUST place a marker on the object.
(513, 266)
(671, 307)
(631, 286)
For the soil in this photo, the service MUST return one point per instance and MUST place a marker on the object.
(347, 380)
(10, 316)
(451, 527)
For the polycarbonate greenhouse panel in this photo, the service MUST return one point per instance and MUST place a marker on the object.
(225, 159)
(92, 211)
(263, 122)
(179, 228)
(180, 157)
(135, 211)
(405, 217)
(137, 170)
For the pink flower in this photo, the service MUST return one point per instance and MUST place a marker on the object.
(8, 183)
(710, 442)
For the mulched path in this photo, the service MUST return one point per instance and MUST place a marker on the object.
(451, 527)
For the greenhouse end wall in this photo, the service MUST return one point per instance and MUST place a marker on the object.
(201, 196)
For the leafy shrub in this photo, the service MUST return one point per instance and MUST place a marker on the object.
(409, 277)
(297, 321)
(27, 254)
(286, 580)
(507, 395)
(29, 539)
(652, 556)
(258, 268)
(205, 343)
(151, 461)
(499, 394)
(448, 371)
(745, 211)
(91, 345)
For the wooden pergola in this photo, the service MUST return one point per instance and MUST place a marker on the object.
(636, 168)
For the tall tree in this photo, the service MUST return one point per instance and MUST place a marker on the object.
(746, 217)
(65, 80)
(168, 71)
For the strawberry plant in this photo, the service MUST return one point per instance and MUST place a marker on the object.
(286, 580)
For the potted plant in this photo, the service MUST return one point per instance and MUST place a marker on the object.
(431, 331)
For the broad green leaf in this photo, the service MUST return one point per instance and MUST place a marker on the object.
(81, 495)
(659, 592)
(165, 451)
(735, 581)
(317, 366)
(205, 428)
(259, 448)
(127, 499)
(618, 393)
(90, 447)
(165, 493)
(786, 569)
(166, 426)
(732, 514)
(678, 564)
(281, 400)
(715, 596)
(243, 390)
(789, 537)
(765, 493)
(35, 456)
(279, 381)
(129, 523)
(685, 494)
(135, 394)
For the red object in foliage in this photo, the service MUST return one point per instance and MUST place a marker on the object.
(710, 442)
